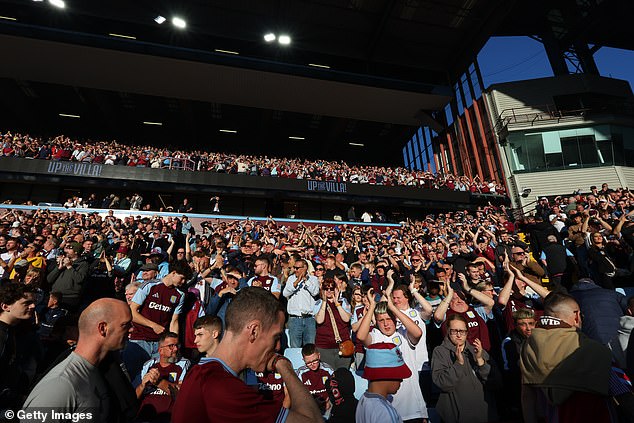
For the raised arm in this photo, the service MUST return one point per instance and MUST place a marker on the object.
(363, 333)
(441, 310)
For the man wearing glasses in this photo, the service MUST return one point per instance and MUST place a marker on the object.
(161, 379)
(531, 269)
(300, 290)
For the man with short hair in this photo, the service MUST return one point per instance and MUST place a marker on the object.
(207, 333)
(314, 374)
(263, 278)
(155, 308)
(76, 385)
(160, 380)
(17, 304)
(69, 275)
(300, 289)
(565, 373)
(213, 392)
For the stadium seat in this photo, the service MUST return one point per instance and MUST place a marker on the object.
(360, 384)
(295, 356)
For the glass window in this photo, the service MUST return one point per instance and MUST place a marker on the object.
(606, 155)
(518, 153)
(535, 148)
(570, 150)
(588, 151)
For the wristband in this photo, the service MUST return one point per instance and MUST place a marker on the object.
(469, 291)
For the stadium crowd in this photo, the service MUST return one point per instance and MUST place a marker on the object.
(112, 153)
(468, 312)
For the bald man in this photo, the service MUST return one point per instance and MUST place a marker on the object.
(76, 385)
(565, 373)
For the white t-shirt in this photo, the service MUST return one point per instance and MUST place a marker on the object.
(422, 355)
(408, 401)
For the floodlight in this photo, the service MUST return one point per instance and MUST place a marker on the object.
(159, 19)
(270, 37)
(179, 22)
(284, 40)
(57, 3)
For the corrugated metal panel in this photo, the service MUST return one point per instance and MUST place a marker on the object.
(562, 182)
(628, 176)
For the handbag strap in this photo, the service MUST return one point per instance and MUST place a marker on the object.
(334, 324)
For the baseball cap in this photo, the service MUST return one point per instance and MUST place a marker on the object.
(15, 224)
(384, 361)
(122, 249)
(156, 251)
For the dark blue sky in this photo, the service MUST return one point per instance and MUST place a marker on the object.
(505, 59)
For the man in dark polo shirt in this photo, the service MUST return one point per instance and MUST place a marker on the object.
(314, 374)
(155, 308)
(213, 392)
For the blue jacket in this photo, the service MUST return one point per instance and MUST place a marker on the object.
(601, 308)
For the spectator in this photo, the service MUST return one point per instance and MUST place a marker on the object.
(565, 373)
(385, 371)
(69, 275)
(207, 335)
(332, 317)
(556, 258)
(161, 379)
(263, 278)
(454, 303)
(254, 326)
(314, 374)
(524, 323)
(340, 387)
(155, 308)
(408, 401)
(602, 309)
(300, 289)
(76, 384)
(16, 305)
(462, 371)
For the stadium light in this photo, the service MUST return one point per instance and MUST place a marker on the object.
(57, 3)
(315, 65)
(284, 40)
(69, 116)
(356, 144)
(8, 18)
(217, 50)
(228, 131)
(270, 37)
(296, 138)
(179, 22)
(153, 123)
(159, 19)
(129, 37)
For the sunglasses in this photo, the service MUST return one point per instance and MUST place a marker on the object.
(329, 288)
(298, 267)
